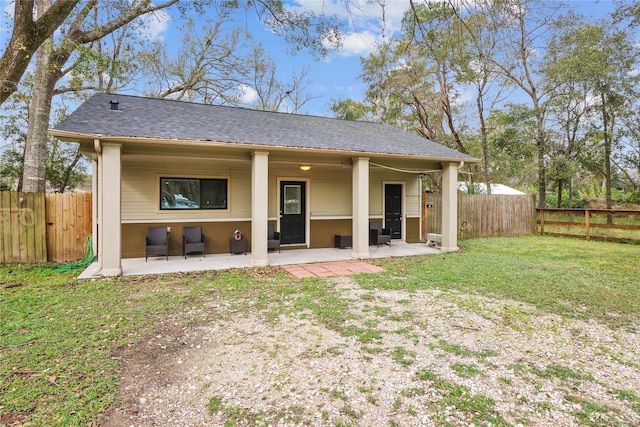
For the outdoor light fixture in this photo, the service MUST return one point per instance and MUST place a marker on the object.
(305, 167)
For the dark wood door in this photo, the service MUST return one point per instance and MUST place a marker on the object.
(292, 212)
(393, 209)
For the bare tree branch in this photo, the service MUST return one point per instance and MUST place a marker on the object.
(26, 37)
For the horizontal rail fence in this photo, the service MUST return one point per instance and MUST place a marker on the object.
(22, 227)
(69, 225)
(483, 215)
(608, 224)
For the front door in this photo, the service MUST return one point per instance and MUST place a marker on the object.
(393, 209)
(292, 212)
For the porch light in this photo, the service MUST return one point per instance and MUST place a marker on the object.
(305, 167)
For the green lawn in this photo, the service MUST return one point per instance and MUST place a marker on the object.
(570, 277)
(59, 337)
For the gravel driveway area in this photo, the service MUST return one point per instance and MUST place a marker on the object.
(424, 358)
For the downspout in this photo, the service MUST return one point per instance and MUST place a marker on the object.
(94, 205)
(422, 212)
(99, 204)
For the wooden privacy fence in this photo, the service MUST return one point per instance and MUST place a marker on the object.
(22, 227)
(38, 227)
(68, 225)
(482, 215)
(609, 224)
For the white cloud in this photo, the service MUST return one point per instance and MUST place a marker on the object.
(154, 25)
(358, 14)
(363, 20)
(246, 94)
(358, 44)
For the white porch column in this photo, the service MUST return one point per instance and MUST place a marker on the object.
(259, 207)
(109, 229)
(94, 205)
(360, 208)
(449, 207)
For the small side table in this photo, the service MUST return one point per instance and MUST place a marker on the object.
(343, 241)
(237, 246)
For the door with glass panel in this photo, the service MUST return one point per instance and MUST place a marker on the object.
(292, 212)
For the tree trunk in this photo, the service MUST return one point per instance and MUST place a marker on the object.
(485, 144)
(446, 108)
(27, 36)
(49, 69)
(67, 172)
(35, 151)
(571, 192)
(607, 155)
(542, 178)
(560, 186)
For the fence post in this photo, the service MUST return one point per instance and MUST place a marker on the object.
(587, 223)
(541, 221)
(534, 226)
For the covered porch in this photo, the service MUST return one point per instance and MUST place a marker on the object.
(178, 264)
(310, 178)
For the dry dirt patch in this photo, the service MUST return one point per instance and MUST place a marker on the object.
(406, 359)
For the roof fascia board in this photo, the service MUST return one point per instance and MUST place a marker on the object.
(77, 137)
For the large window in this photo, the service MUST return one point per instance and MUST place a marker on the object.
(193, 193)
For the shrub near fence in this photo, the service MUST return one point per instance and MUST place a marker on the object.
(483, 215)
(38, 227)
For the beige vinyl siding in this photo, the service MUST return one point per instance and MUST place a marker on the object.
(328, 192)
(329, 188)
(413, 196)
(411, 184)
(331, 193)
(140, 177)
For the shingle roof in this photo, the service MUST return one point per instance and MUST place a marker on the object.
(140, 117)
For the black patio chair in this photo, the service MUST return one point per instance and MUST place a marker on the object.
(378, 235)
(157, 242)
(273, 238)
(192, 241)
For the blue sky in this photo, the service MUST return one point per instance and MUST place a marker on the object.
(331, 77)
(335, 76)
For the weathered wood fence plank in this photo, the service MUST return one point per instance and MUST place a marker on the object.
(22, 227)
(68, 225)
(36, 228)
(482, 215)
(5, 231)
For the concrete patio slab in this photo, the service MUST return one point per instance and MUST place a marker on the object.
(177, 264)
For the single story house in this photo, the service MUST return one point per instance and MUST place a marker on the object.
(174, 164)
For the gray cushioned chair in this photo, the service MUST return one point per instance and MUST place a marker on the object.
(157, 242)
(378, 235)
(273, 238)
(192, 241)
